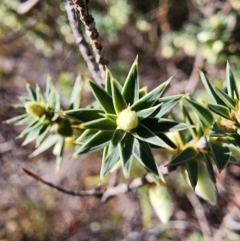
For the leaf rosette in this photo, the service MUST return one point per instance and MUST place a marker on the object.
(128, 123)
(226, 107)
(43, 120)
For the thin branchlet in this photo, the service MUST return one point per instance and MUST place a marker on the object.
(82, 9)
(83, 46)
(104, 195)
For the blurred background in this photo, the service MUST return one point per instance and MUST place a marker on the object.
(171, 38)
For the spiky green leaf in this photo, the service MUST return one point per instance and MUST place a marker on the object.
(185, 155)
(189, 121)
(100, 140)
(25, 99)
(143, 154)
(108, 77)
(110, 162)
(202, 113)
(103, 97)
(39, 95)
(48, 87)
(58, 151)
(99, 124)
(75, 97)
(111, 117)
(117, 137)
(149, 99)
(51, 97)
(28, 120)
(20, 107)
(238, 117)
(229, 102)
(231, 84)
(84, 115)
(130, 89)
(210, 90)
(220, 110)
(167, 104)
(85, 136)
(31, 136)
(209, 167)
(142, 114)
(192, 169)
(57, 104)
(205, 187)
(118, 100)
(31, 92)
(144, 134)
(163, 125)
(126, 153)
(46, 144)
(33, 126)
(42, 135)
(221, 154)
(18, 120)
(165, 139)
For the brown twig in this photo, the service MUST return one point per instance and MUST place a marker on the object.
(26, 6)
(162, 16)
(177, 224)
(126, 187)
(199, 211)
(104, 195)
(82, 43)
(194, 77)
(93, 192)
(81, 7)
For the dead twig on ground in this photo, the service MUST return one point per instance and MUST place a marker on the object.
(199, 211)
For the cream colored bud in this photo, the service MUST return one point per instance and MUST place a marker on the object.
(35, 109)
(127, 120)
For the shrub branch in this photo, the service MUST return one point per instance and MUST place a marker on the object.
(82, 9)
(83, 46)
(104, 195)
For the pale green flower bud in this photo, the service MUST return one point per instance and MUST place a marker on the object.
(127, 120)
(35, 109)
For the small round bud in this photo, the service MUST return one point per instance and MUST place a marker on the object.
(35, 109)
(127, 120)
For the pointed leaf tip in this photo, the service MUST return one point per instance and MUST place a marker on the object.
(102, 97)
(130, 89)
(161, 201)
